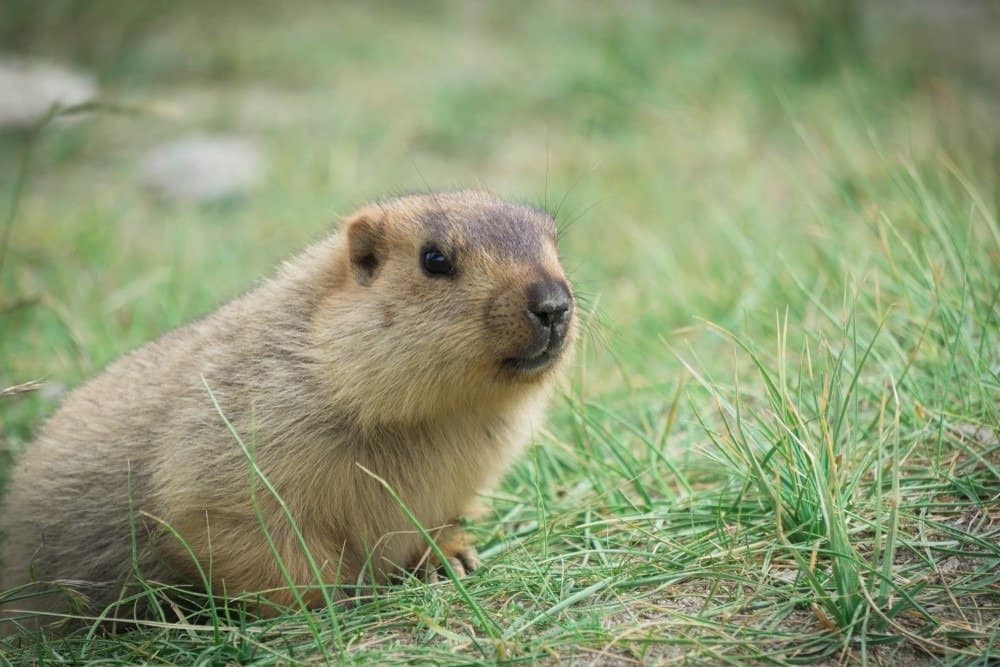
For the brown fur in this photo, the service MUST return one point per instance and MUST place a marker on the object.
(350, 356)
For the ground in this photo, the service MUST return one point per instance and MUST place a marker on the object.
(778, 442)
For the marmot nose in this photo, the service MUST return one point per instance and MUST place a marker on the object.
(549, 303)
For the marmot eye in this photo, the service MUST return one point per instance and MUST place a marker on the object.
(435, 262)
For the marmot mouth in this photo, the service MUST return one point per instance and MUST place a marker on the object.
(544, 357)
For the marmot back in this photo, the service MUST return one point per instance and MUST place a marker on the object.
(418, 342)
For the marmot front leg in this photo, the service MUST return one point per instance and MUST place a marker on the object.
(456, 546)
(461, 553)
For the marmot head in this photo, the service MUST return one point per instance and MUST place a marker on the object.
(444, 302)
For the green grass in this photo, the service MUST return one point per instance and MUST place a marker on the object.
(779, 441)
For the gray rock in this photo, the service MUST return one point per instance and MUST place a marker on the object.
(28, 89)
(203, 168)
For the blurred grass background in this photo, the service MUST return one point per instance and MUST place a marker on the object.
(723, 163)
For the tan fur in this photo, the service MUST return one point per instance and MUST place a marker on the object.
(321, 370)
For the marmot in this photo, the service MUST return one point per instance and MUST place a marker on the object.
(418, 343)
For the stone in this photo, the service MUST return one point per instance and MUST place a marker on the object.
(203, 168)
(28, 89)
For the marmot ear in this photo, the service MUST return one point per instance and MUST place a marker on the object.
(364, 247)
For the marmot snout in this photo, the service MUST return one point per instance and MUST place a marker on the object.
(419, 342)
(549, 310)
